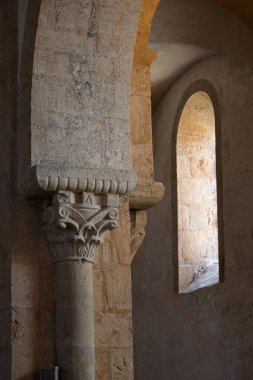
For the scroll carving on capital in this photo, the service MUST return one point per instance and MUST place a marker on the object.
(76, 224)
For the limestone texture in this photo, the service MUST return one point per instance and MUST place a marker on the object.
(75, 99)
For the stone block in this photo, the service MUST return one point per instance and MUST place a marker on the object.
(65, 16)
(198, 217)
(192, 246)
(212, 215)
(103, 363)
(25, 328)
(46, 332)
(99, 288)
(113, 330)
(26, 363)
(47, 40)
(116, 15)
(26, 287)
(195, 190)
(186, 275)
(143, 160)
(118, 288)
(213, 245)
(203, 166)
(116, 249)
(183, 167)
(183, 217)
(53, 63)
(141, 80)
(116, 47)
(141, 120)
(46, 280)
(122, 364)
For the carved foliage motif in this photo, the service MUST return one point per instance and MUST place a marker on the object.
(75, 230)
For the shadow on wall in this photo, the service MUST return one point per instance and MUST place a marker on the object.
(199, 335)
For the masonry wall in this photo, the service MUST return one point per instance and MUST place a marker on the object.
(26, 270)
(7, 47)
(196, 189)
(207, 333)
(31, 280)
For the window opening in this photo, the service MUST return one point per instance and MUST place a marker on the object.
(198, 247)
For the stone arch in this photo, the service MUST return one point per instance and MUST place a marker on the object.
(141, 124)
(110, 30)
(82, 69)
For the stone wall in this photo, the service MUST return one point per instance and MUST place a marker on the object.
(99, 95)
(7, 61)
(204, 328)
(207, 333)
(113, 304)
(81, 84)
(80, 106)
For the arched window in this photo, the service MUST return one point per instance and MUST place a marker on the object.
(197, 220)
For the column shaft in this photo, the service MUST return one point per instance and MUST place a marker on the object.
(74, 320)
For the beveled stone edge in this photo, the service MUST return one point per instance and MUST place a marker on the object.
(42, 179)
(146, 195)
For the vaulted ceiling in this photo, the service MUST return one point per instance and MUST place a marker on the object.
(240, 8)
(187, 31)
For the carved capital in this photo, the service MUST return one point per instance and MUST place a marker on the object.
(76, 224)
(47, 178)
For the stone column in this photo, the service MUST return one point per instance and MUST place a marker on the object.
(75, 225)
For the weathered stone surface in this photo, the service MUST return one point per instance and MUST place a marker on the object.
(25, 289)
(76, 224)
(67, 62)
(80, 120)
(146, 195)
(196, 188)
(112, 296)
(206, 320)
(122, 364)
(42, 179)
(138, 220)
(80, 79)
(75, 320)
(113, 330)
(103, 364)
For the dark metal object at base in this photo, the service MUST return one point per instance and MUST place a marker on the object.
(49, 373)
